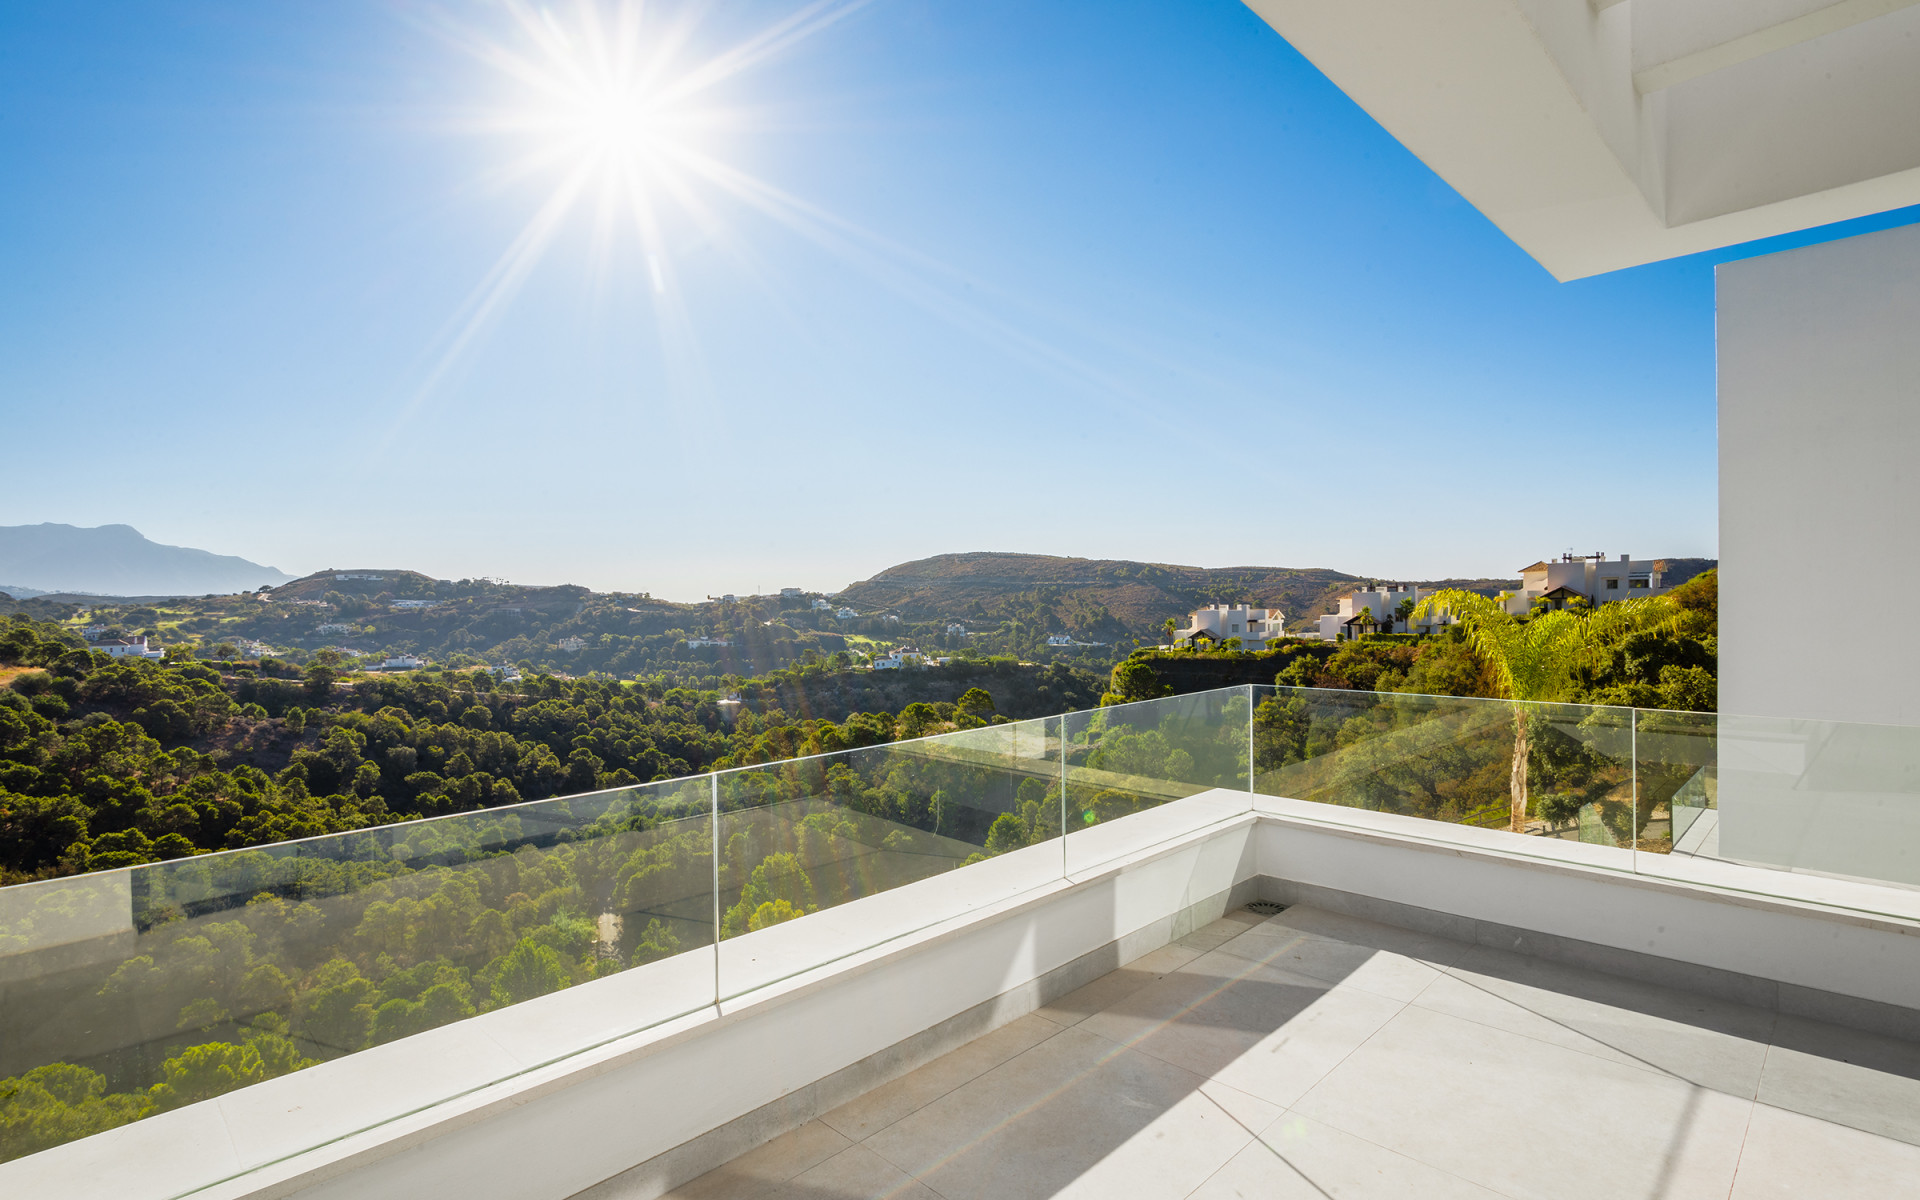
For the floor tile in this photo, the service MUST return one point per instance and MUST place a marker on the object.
(1176, 1152)
(1283, 1065)
(1529, 1119)
(1300, 1159)
(1250, 1110)
(1039, 1121)
(1861, 1080)
(1383, 971)
(1358, 931)
(890, 1101)
(1114, 986)
(855, 1173)
(749, 1176)
(1793, 1157)
(1703, 1040)
(1210, 1012)
(1211, 935)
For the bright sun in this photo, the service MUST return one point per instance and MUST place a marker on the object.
(614, 105)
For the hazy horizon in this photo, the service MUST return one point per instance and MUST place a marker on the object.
(826, 287)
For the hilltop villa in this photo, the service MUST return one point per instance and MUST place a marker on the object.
(1218, 622)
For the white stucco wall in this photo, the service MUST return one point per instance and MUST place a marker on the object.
(1819, 476)
(1819, 354)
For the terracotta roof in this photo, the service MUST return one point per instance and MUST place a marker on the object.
(1535, 567)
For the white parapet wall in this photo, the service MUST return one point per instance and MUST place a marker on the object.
(509, 1105)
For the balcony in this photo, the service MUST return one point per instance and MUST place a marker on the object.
(1018, 960)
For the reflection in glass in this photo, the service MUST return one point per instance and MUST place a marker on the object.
(141, 990)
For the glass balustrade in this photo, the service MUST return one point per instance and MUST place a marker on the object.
(133, 992)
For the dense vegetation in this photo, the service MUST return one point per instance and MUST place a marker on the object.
(1670, 667)
(110, 762)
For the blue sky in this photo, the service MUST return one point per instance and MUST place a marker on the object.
(1115, 279)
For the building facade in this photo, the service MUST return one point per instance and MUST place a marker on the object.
(1593, 577)
(1255, 627)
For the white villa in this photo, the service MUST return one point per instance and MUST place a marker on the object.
(1373, 610)
(570, 645)
(401, 662)
(413, 604)
(696, 643)
(845, 614)
(1253, 626)
(128, 648)
(821, 604)
(1594, 578)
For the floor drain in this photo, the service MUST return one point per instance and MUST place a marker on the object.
(1266, 908)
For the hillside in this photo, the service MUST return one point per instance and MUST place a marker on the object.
(1113, 597)
(117, 560)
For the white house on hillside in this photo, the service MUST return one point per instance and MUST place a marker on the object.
(845, 614)
(1253, 626)
(1593, 577)
(401, 662)
(1376, 610)
(822, 604)
(128, 648)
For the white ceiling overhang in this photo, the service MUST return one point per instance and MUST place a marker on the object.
(1601, 134)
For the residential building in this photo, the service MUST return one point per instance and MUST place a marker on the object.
(1594, 578)
(93, 632)
(791, 593)
(128, 648)
(333, 627)
(956, 630)
(698, 643)
(401, 662)
(1059, 639)
(822, 604)
(845, 614)
(1377, 609)
(1255, 627)
(360, 577)
(570, 645)
(413, 603)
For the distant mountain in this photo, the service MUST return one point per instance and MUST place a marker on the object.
(116, 560)
(1139, 596)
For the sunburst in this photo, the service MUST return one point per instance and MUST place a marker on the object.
(614, 107)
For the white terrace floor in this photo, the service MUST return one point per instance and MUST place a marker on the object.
(1313, 1055)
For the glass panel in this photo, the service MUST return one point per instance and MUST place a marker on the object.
(1820, 797)
(829, 834)
(1674, 755)
(1453, 759)
(136, 991)
(1187, 754)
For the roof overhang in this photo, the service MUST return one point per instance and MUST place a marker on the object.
(1601, 134)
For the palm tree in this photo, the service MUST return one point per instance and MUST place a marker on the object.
(1170, 626)
(1532, 658)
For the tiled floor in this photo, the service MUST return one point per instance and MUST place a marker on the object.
(1314, 1055)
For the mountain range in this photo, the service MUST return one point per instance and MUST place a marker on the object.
(117, 560)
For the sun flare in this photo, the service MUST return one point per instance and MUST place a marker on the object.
(617, 106)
